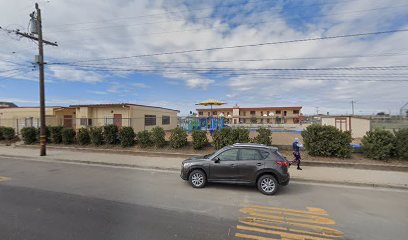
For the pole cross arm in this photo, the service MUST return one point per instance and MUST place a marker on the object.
(35, 38)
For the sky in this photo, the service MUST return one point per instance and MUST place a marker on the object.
(112, 51)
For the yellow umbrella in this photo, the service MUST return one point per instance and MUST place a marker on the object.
(211, 102)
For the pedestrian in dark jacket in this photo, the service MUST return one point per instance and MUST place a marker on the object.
(296, 145)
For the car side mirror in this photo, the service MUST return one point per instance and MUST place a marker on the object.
(217, 159)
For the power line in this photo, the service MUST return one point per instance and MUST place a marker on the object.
(242, 46)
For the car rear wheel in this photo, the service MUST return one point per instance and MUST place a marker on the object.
(267, 184)
(197, 179)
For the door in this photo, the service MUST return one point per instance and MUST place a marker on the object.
(117, 120)
(225, 168)
(67, 121)
(249, 162)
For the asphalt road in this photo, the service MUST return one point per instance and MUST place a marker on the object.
(42, 200)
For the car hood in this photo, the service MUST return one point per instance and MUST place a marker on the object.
(195, 159)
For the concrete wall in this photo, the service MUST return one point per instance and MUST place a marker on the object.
(359, 127)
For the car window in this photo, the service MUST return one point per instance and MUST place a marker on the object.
(229, 155)
(249, 154)
(264, 154)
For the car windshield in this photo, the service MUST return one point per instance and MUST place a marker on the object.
(208, 155)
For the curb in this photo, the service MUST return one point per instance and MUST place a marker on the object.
(293, 179)
(396, 168)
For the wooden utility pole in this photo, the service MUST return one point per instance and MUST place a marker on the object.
(36, 19)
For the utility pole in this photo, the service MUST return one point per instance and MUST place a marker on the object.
(352, 107)
(317, 110)
(36, 29)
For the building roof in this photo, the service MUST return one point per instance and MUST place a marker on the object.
(120, 105)
(253, 108)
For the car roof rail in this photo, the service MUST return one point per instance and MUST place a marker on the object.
(253, 145)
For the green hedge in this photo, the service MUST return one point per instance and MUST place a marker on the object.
(200, 140)
(327, 141)
(7, 133)
(68, 135)
(228, 136)
(96, 136)
(29, 135)
(264, 136)
(144, 138)
(83, 136)
(378, 144)
(401, 144)
(178, 138)
(127, 137)
(1, 133)
(110, 134)
(158, 137)
(56, 134)
(240, 135)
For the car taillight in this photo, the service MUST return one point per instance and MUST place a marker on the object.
(282, 163)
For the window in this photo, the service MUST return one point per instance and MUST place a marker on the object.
(229, 155)
(295, 111)
(200, 113)
(150, 120)
(285, 113)
(108, 120)
(261, 113)
(28, 122)
(165, 120)
(215, 113)
(249, 154)
(209, 113)
(267, 113)
(264, 154)
(85, 121)
(268, 120)
(228, 114)
(278, 111)
(244, 113)
(252, 113)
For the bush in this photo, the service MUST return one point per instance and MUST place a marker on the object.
(83, 136)
(222, 137)
(378, 144)
(127, 137)
(199, 139)
(144, 138)
(401, 144)
(178, 138)
(29, 135)
(240, 135)
(1, 133)
(96, 136)
(56, 134)
(8, 133)
(327, 141)
(264, 136)
(68, 135)
(110, 134)
(158, 137)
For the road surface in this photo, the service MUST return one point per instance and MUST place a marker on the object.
(45, 200)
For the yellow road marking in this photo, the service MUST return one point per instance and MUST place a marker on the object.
(4, 178)
(280, 233)
(295, 217)
(310, 210)
(248, 236)
(323, 230)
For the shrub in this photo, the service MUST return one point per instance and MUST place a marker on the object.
(110, 134)
(222, 137)
(401, 144)
(8, 133)
(144, 138)
(127, 137)
(68, 135)
(158, 137)
(1, 133)
(264, 136)
(327, 141)
(240, 135)
(96, 136)
(56, 134)
(29, 135)
(199, 139)
(83, 136)
(378, 144)
(178, 138)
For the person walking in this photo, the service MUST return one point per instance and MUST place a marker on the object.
(296, 145)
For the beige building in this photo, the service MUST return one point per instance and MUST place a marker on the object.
(140, 117)
(259, 115)
(358, 126)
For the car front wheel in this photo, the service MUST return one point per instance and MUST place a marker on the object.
(267, 184)
(197, 179)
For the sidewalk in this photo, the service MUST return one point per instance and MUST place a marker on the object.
(375, 178)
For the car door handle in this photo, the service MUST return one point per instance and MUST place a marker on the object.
(259, 164)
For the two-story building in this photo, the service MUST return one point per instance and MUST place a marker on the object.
(259, 115)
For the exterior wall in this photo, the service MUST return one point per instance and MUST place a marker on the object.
(20, 117)
(138, 117)
(328, 121)
(102, 116)
(359, 127)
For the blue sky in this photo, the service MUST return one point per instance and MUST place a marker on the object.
(95, 30)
